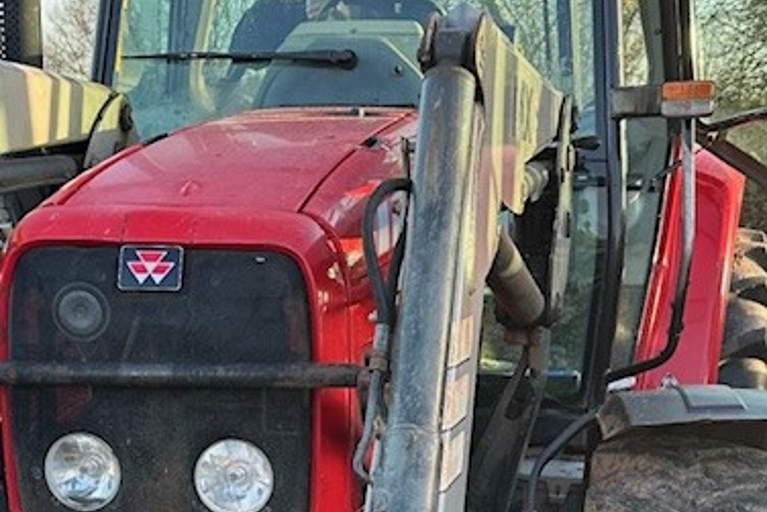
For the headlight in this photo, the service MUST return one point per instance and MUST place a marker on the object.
(81, 311)
(82, 472)
(233, 476)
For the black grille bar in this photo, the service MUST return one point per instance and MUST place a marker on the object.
(285, 376)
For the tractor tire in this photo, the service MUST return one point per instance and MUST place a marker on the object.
(743, 372)
(745, 331)
(669, 473)
(749, 269)
(744, 348)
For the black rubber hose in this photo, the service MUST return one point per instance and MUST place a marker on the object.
(395, 265)
(380, 288)
(101, 114)
(384, 293)
(550, 452)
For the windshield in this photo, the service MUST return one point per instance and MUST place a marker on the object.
(183, 62)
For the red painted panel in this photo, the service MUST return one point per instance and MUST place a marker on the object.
(267, 160)
(339, 203)
(719, 192)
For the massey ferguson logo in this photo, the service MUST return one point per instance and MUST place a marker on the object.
(150, 268)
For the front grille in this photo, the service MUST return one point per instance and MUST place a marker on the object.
(234, 307)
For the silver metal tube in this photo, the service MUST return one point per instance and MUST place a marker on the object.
(688, 207)
(409, 475)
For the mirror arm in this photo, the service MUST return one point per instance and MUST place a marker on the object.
(716, 143)
(733, 121)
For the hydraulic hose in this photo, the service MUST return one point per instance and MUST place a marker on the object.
(383, 301)
(375, 396)
(384, 293)
(549, 453)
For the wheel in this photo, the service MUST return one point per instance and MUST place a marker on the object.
(743, 372)
(749, 270)
(744, 348)
(660, 472)
(745, 330)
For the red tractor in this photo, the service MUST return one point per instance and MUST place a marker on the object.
(378, 255)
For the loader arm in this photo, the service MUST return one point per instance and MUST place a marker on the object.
(484, 113)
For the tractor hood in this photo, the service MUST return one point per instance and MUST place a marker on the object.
(267, 160)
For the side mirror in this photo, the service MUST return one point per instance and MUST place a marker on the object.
(740, 140)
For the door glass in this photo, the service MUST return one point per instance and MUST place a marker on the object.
(647, 156)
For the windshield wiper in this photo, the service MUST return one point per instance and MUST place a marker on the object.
(345, 59)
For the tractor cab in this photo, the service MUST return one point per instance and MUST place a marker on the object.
(213, 59)
(184, 62)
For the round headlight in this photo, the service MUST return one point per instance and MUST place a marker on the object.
(81, 311)
(82, 472)
(234, 476)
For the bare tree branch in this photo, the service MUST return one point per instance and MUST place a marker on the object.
(69, 37)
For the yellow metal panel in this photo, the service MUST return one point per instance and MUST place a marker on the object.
(39, 108)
